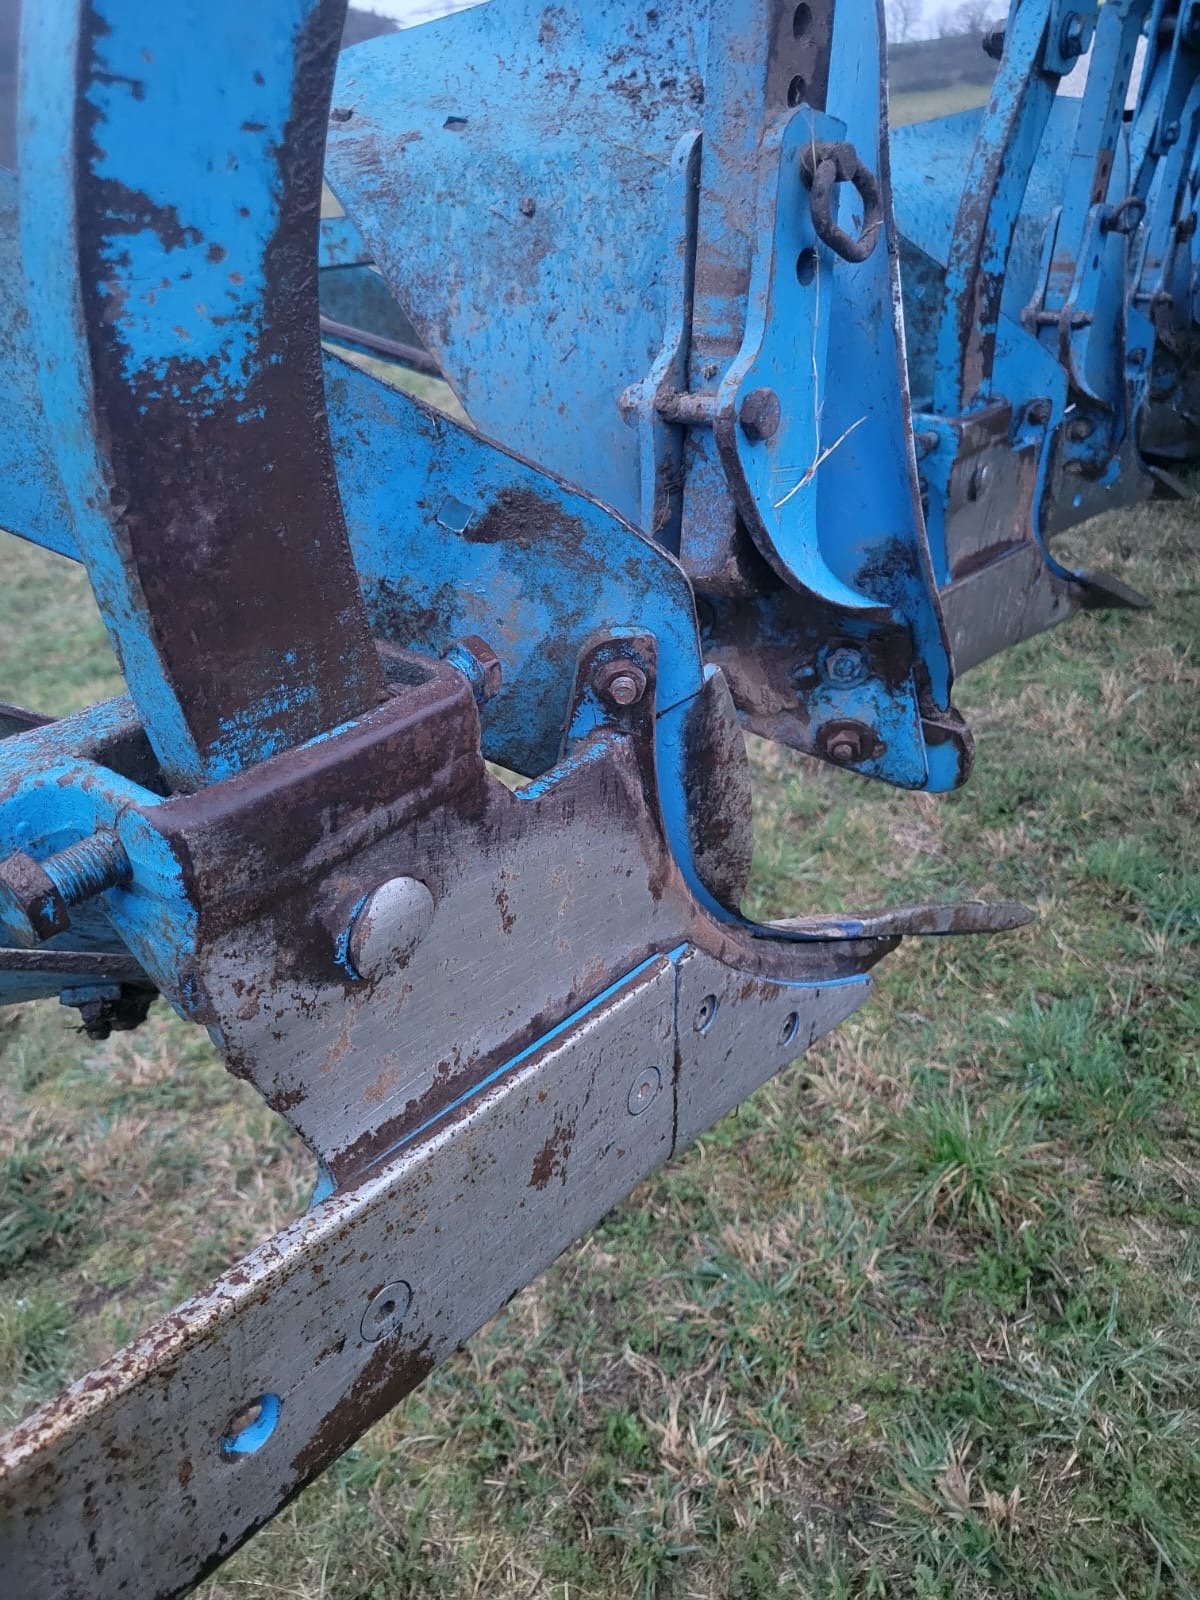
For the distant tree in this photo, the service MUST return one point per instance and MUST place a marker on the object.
(974, 16)
(903, 17)
(361, 24)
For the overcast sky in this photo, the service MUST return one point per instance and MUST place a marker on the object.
(413, 10)
(410, 11)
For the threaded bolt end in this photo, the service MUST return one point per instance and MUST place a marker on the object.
(89, 867)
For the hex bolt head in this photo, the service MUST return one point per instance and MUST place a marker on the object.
(624, 690)
(30, 904)
(643, 1091)
(847, 743)
(386, 1310)
(475, 658)
(621, 683)
(389, 925)
(845, 665)
(35, 896)
(760, 415)
(1071, 40)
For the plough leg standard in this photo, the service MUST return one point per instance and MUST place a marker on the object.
(775, 418)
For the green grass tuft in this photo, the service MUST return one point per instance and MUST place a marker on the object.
(921, 1320)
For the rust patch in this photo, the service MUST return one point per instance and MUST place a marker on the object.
(515, 516)
(387, 1377)
(717, 784)
(197, 514)
(551, 1160)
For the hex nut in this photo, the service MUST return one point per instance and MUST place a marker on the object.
(622, 683)
(30, 902)
(847, 743)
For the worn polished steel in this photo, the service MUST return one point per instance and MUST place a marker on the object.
(768, 417)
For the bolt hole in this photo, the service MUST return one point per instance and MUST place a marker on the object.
(801, 21)
(250, 1428)
(791, 1026)
(705, 1013)
(806, 265)
(386, 1310)
(796, 90)
(643, 1091)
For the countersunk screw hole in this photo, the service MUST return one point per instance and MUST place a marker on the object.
(386, 1310)
(250, 1428)
(643, 1091)
(806, 266)
(705, 1013)
(791, 1026)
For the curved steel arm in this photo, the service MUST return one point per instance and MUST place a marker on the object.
(169, 225)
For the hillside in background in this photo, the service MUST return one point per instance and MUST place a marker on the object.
(921, 65)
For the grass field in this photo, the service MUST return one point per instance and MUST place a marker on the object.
(923, 1319)
(927, 104)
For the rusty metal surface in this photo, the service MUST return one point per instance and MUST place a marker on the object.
(988, 213)
(489, 1010)
(128, 1485)
(1012, 598)
(71, 963)
(228, 584)
(722, 1011)
(122, 1487)
(718, 793)
(16, 719)
(278, 859)
(951, 918)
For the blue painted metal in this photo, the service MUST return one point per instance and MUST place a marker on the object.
(602, 231)
(511, 280)
(654, 251)
(173, 312)
(453, 536)
(32, 502)
(511, 182)
(60, 784)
